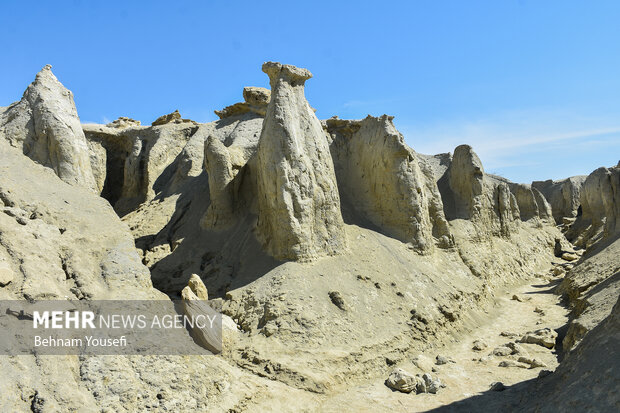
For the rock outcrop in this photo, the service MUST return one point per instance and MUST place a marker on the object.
(256, 100)
(384, 182)
(45, 125)
(532, 204)
(170, 117)
(600, 204)
(562, 195)
(469, 194)
(299, 214)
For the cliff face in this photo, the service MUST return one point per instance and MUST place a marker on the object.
(386, 184)
(563, 196)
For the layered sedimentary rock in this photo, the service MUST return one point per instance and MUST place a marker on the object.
(44, 124)
(385, 182)
(562, 195)
(299, 207)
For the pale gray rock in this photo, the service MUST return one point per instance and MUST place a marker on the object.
(563, 195)
(45, 126)
(403, 381)
(383, 181)
(600, 203)
(544, 337)
(299, 214)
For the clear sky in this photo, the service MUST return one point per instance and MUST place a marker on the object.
(533, 86)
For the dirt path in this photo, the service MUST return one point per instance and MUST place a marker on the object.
(471, 371)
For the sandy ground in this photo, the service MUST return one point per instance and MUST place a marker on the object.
(472, 372)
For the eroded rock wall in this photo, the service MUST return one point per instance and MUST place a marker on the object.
(386, 183)
(562, 195)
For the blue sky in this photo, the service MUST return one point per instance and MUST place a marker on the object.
(533, 86)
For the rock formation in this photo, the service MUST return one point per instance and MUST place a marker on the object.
(532, 204)
(44, 124)
(256, 101)
(469, 194)
(600, 203)
(563, 195)
(221, 205)
(171, 117)
(386, 183)
(299, 207)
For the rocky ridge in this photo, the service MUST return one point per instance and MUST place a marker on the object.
(332, 246)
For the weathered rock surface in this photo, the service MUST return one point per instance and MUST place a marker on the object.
(191, 195)
(600, 205)
(532, 204)
(299, 214)
(170, 117)
(123, 122)
(563, 195)
(256, 101)
(469, 194)
(45, 126)
(385, 183)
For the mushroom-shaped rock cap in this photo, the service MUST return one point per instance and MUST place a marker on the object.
(292, 74)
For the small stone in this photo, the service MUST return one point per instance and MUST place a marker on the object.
(497, 386)
(539, 311)
(501, 351)
(517, 298)
(567, 256)
(337, 299)
(558, 271)
(440, 360)
(532, 362)
(479, 345)
(508, 334)
(198, 287)
(512, 363)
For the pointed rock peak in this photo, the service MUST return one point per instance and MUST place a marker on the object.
(45, 124)
(289, 73)
(46, 74)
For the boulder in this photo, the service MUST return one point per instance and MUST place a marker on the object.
(544, 337)
(299, 214)
(403, 381)
(45, 126)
